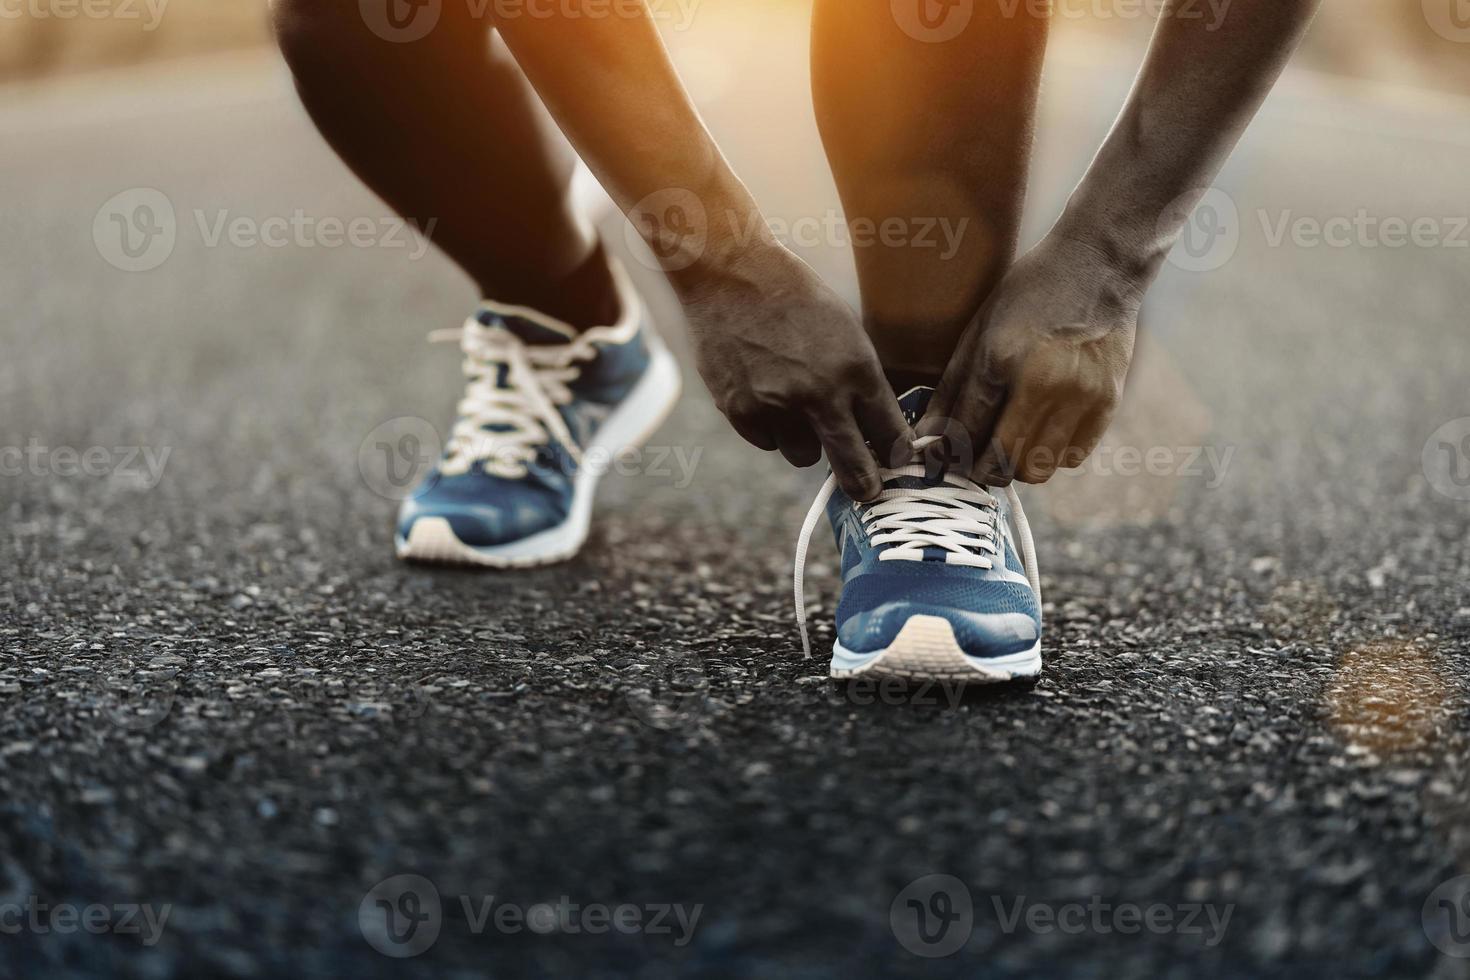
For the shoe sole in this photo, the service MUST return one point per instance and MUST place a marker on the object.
(926, 649)
(432, 539)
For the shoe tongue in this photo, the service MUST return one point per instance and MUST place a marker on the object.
(530, 329)
(914, 402)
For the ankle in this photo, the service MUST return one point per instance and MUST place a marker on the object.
(904, 379)
(584, 298)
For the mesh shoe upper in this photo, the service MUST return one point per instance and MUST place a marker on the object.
(993, 611)
(488, 502)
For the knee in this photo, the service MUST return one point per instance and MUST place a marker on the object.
(321, 35)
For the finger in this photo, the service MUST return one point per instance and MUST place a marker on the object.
(799, 445)
(966, 421)
(755, 433)
(851, 460)
(1090, 432)
(885, 428)
(1052, 444)
(1000, 454)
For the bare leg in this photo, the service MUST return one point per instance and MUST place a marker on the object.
(446, 128)
(932, 134)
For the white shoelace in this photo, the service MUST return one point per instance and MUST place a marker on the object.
(958, 515)
(523, 411)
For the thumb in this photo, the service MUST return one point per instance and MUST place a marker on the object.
(965, 417)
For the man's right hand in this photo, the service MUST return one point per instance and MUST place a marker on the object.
(790, 366)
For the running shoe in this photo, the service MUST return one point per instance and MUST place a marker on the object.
(935, 583)
(545, 410)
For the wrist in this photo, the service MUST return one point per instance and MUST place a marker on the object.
(1119, 244)
(704, 230)
(752, 265)
(1113, 270)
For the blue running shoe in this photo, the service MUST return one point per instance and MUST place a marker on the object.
(935, 586)
(547, 408)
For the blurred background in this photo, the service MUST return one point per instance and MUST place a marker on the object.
(1256, 690)
(1379, 40)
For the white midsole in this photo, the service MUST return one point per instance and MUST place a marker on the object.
(627, 427)
(926, 649)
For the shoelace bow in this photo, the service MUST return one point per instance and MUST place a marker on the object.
(502, 426)
(957, 515)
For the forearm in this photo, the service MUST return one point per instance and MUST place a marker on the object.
(1201, 84)
(605, 75)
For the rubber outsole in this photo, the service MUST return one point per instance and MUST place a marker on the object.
(926, 649)
(432, 540)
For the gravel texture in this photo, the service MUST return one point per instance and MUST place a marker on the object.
(221, 694)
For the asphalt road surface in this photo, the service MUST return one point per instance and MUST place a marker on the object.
(230, 721)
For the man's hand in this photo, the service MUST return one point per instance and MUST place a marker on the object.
(1038, 374)
(789, 365)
